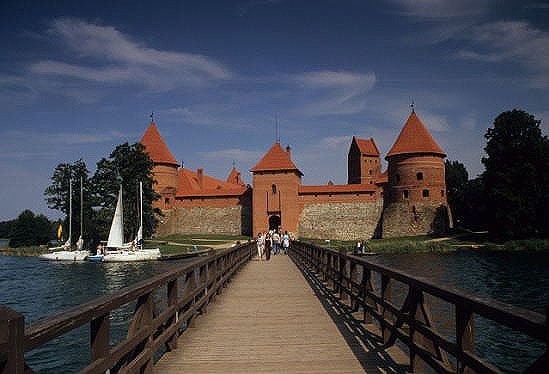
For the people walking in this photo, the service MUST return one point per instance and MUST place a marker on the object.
(268, 245)
(285, 242)
(260, 245)
(276, 242)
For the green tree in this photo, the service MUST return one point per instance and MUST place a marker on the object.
(516, 179)
(126, 165)
(456, 184)
(57, 196)
(30, 229)
(6, 228)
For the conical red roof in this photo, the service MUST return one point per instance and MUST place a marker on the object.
(156, 148)
(276, 159)
(414, 138)
(234, 177)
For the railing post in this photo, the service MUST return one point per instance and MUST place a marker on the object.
(12, 332)
(465, 336)
(99, 337)
(366, 289)
(173, 290)
(385, 296)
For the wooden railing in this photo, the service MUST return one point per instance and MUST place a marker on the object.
(411, 322)
(190, 288)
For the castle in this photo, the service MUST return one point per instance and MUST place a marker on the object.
(409, 198)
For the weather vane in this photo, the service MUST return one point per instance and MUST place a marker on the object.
(412, 106)
(234, 164)
(152, 116)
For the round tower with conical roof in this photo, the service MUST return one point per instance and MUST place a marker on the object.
(165, 167)
(415, 197)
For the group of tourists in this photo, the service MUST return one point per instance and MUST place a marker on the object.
(272, 241)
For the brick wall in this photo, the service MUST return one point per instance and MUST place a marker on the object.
(340, 221)
(407, 219)
(233, 220)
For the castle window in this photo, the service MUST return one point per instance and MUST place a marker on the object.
(397, 178)
(371, 182)
(425, 193)
(274, 188)
(370, 171)
(166, 201)
(419, 176)
(405, 194)
(442, 193)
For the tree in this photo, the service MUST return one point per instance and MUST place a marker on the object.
(126, 165)
(456, 184)
(29, 229)
(57, 195)
(516, 179)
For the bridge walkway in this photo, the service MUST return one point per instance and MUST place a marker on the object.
(272, 319)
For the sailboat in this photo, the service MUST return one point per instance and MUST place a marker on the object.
(118, 251)
(65, 252)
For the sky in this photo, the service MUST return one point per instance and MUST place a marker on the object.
(79, 78)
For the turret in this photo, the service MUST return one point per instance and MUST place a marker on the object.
(364, 165)
(164, 169)
(415, 196)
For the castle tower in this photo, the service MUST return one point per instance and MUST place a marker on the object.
(164, 169)
(275, 189)
(363, 163)
(415, 198)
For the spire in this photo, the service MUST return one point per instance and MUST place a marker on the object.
(276, 159)
(414, 138)
(156, 147)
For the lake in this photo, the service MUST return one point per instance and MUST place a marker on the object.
(39, 288)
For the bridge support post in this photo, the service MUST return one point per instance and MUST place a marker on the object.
(465, 337)
(99, 337)
(12, 334)
(173, 290)
(385, 297)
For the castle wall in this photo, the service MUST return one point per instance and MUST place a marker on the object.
(340, 220)
(233, 220)
(409, 219)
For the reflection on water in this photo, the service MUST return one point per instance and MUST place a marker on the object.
(40, 288)
(519, 278)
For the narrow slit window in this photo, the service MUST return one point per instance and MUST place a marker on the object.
(273, 187)
(405, 194)
(419, 176)
(425, 193)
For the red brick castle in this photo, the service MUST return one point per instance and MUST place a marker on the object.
(407, 199)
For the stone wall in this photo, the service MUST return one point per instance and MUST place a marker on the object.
(405, 219)
(232, 220)
(340, 221)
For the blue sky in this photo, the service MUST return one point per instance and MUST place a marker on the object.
(78, 79)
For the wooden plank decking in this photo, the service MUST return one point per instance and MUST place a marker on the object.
(268, 320)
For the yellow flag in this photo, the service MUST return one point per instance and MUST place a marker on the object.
(59, 231)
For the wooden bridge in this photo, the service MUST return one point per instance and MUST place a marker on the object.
(320, 311)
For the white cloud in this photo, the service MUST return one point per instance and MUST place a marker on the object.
(333, 92)
(123, 60)
(57, 138)
(512, 42)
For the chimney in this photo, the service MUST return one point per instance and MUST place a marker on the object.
(200, 176)
(289, 150)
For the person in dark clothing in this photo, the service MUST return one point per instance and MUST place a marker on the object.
(268, 245)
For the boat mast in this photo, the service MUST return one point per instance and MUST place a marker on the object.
(141, 212)
(70, 209)
(81, 207)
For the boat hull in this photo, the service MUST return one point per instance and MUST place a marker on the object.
(131, 256)
(66, 256)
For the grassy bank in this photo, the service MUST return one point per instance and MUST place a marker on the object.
(424, 243)
(23, 251)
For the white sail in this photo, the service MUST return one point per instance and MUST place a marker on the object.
(116, 234)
